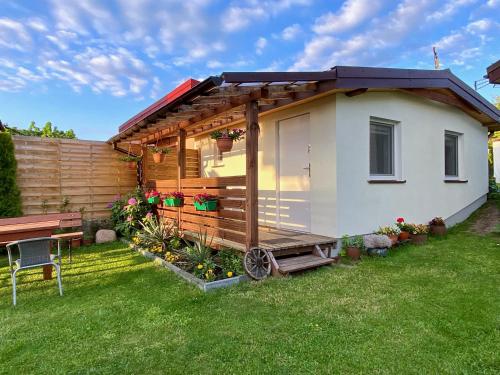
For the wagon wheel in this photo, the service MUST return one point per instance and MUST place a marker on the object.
(257, 263)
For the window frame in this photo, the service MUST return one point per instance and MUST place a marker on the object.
(459, 156)
(396, 174)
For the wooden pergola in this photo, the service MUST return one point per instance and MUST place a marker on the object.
(238, 99)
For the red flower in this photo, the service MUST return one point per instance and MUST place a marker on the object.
(400, 220)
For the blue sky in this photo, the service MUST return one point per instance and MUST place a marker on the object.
(90, 65)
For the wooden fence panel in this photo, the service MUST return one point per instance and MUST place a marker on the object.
(88, 173)
(228, 222)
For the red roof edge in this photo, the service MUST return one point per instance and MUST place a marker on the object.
(175, 93)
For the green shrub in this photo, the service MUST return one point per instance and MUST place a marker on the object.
(10, 196)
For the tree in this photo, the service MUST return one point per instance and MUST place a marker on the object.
(10, 196)
(47, 131)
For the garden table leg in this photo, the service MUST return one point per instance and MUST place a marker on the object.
(47, 272)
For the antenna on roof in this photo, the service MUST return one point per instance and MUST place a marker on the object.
(436, 58)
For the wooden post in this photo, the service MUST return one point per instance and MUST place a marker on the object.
(252, 175)
(181, 166)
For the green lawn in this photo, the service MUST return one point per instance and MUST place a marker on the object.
(429, 309)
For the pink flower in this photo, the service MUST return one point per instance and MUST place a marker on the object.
(130, 218)
(149, 215)
(132, 201)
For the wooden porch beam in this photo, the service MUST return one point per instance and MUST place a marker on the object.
(355, 92)
(252, 175)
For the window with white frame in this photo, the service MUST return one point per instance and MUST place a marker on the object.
(452, 155)
(384, 149)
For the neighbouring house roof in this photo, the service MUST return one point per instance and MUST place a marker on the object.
(220, 100)
(493, 73)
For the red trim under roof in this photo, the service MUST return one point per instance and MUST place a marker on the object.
(175, 93)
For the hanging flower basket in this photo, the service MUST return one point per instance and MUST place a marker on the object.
(153, 197)
(225, 144)
(159, 153)
(131, 161)
(205, 202)
(174, 199)
(226, 138)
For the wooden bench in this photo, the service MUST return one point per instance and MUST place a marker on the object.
(32, 222)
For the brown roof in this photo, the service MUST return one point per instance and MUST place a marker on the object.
(220, 99)
(493, 73)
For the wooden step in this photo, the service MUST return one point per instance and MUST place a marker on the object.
(302, 262)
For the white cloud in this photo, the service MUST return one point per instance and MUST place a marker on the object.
(351, 14)
(36, 24)
(214, 64)
(291, 32)
(156, 89)
(479, 26)
(325, 51)
(260, 44)
(13, 35)
(237, 17)
(449, 9)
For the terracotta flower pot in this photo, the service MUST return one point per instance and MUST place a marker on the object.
(353, 252)
(131, 164)
(76, 242)
(403, 236)
(158, 157)
(438, 230)
(394, 239)
(418, 239)
(225, 144)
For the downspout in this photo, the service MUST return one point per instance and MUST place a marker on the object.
(139, 163)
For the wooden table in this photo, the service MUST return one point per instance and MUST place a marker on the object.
(15, 232)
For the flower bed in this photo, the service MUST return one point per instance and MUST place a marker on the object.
(196, 258)
(203, 285)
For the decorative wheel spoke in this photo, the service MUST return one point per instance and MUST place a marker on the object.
(257, 263)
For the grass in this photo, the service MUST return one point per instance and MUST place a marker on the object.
(428, 309)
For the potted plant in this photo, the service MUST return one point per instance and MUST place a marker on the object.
(418, 233)
(174, 199)
(159, 153)
(205, 202)
(131, 161)
(352, 246)
(438, 226)
(404, 228)
(153, 197)
(76, 242)
(225, 138)
(391, 231)
(88, 239)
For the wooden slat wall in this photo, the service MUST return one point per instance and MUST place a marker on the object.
(168, 168)
(89, 173)
(227, 223)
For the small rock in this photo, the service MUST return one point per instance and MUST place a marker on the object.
(105, 235)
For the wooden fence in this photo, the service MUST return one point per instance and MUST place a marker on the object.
(87, 174)
(167, 170)
(227, 223)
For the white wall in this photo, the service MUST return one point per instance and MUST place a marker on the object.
(323, 189)
(362, 207)
(496, 160)
(342, 201)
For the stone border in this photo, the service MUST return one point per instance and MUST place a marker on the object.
(191, 278)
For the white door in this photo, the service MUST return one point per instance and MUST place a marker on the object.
(294, 174)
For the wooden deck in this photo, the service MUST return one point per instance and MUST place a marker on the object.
(278, 241)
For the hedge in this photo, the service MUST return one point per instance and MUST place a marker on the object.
(10, 196)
